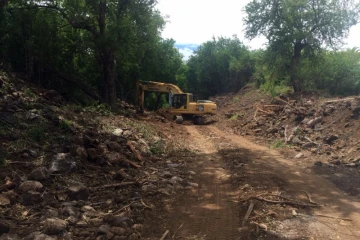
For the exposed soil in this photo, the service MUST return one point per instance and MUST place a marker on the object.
(230, 170)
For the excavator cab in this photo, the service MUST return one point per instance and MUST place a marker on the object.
(180, 100)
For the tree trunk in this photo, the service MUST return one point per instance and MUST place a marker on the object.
(109, 68)
(294, 78)
(108, 60)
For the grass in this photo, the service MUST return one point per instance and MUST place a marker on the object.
(279, 144)
(37, 133)
(234, 117)
(66, 125)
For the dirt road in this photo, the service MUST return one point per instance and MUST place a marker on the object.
(230, 168)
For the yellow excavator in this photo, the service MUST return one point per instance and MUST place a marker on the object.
(183, 106)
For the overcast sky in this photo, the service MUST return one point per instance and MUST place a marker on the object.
(197, 21)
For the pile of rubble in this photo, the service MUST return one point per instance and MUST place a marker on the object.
(80, 173)
(327, 128)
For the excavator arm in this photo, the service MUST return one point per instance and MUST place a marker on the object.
(142, 86)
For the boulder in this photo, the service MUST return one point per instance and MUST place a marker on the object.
(30, 186)
(54, 226)
(39, 174)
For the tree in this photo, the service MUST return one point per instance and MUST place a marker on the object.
(298, 28)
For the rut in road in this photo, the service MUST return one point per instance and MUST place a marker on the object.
(208, 213)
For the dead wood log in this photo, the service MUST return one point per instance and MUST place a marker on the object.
(164, 235)
(117, 158)
(115, 185)
(136, 153)
(251, 206)
(313, 122)
(344, 99)
(286, 201)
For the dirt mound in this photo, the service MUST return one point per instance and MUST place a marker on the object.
(314, 130)
(71, 172)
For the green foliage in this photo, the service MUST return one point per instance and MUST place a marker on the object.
(278, 144)
(298, 29)
(37, 133)
(157, 147)
(66, 125)
(219, 66)
(234, 117)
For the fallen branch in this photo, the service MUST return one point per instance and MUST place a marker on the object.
(164, 235)
(123, 184)
(309, 198)
(251, 206)
(325, 216)
(286, 200)
(136, 153)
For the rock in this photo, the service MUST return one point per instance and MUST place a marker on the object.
(4, 200)
(4, 227)
(78, 191)
(54, 226)
(192, 173)
(167, 175)
(68, 211)
(134, 236)
(38, 236)
(30, 186)
(96, 222)
(81, 224)
(163, 191)
(114, 146)
(103, 229)
(318, 163)
(78, 151)
(127, 133)
(330, 139)
(9, 237)
(299, 155)
(195, 185)
(92, 154)
(118, 231)
(39, 174)
(308, 145)
(137, 227)
(122, 222)
(31, 198)
(51, 213)
(30, 152)
(62, 162)
(32, 114)
(118, 132)
(173, 165)
(296, 140)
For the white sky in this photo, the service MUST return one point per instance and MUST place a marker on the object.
(197, 21)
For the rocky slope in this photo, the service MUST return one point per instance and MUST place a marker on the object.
(68, 172)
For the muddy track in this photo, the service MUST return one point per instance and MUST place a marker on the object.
(211, 211)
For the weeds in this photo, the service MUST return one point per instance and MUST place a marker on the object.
(37, 133)
(279, 144)
(234, 117)
(66, 125)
